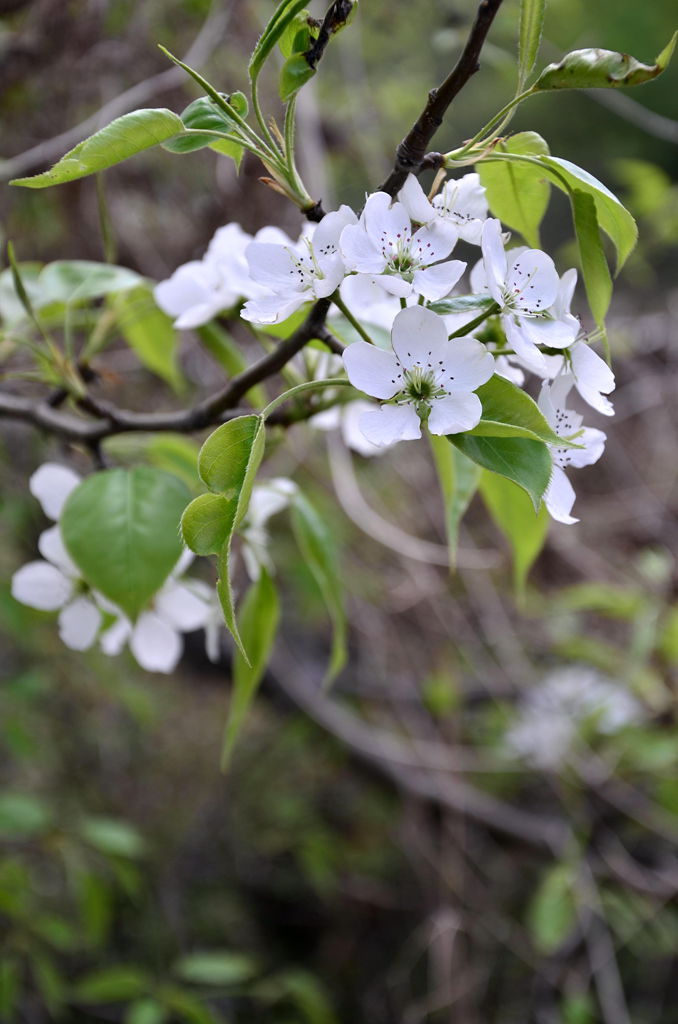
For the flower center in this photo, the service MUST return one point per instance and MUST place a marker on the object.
(419, 385)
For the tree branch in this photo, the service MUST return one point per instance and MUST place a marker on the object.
(412, 150)
(110, 420)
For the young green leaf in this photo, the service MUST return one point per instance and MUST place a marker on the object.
(462, 304)
(125, 137)
(553, 912)
(509, 412)
(529, 36)
(602, 69)
(230, 457)
(283, 16)
(149, 333)
(515, 516)
(121, 528)
(458, 478)
(517, 193)
(528, 463)
(317, 548)
(70, 281)
(258, 625)
(295, 72)
(207, 523)
(204, 113)
(215, 967)
(146, 1011)
(112, 985)
(594, 266)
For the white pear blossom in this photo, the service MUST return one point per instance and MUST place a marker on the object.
(296, 273)
(56, 584)
(268, 498)
(180, 606)
(461, 202)
(427, 376)
(591, 375)
(346, 418)
(200, 289)
(525, 285)
(383, 246)
(551, 714)
(559, 496)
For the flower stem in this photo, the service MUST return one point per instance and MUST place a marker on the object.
(341, 305)
(472, 324)
(309, 385)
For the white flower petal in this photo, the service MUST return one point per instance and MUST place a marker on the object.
(358, 251)
(434, 242)
(353, 436)
(156, 646)
(181, 608)
(436, 282)
(543, 330)
(394, 285)
(274, 266)
(190, 285)
(467, 365)
(41, 585)
(113, 639)
(51, 484)
(419, 336)
(387, 225)
(413, 198)
(372, 370)
(51, 547)
(455, 413)
(391, 423)
(593, 377)
(533, 280)
(494, 258)
(560, 497)
(522, 344)
(273, 309)
(328, 232)
(594, 445)
(79, 624)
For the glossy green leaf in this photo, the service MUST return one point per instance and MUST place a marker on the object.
(514, 514)
(205, 113)
(282, 17)
(517, 193)
(71, 281)
(553, 912)
(112, 985)
(527, 463)
(120, 527)
(230, 457)
(317, 548)
(207, 523)
(150, 334)
(112, 837)
(462, 304)
(296, 37)
(529, 36)
(258, 625)
(602, 69)
(613, 217)
(295, 72)
(458, 478)
(125, 137)
(508, 411)
(215, 967)
(594, 266)
(174, 453)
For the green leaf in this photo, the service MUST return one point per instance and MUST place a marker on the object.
(112, 837)
(595, 270)
(10, 988)
(517, 193)
(258, 625)
(121, 528)
(174, 453)
(228, 464)
(602, 69)
(527, 463)
(205, 113)
(317, 548)
(283, 16)
(296, 38)
(23, 816)
(71, 281)
(515, 516)
(462, 304)
(146, 1011)
(458, 478)
(553, 912)
(187, 1007)
(215, 967)
(49, 982)
(509, 412)
(613, 217)
(112, 985)
(125, 137)
(529, 36)
(150, 334)
(295, 72)
(207, 523)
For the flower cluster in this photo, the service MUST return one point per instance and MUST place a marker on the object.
(86, 617)
(387, 269)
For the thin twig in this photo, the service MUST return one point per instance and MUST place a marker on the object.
(412, 149)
